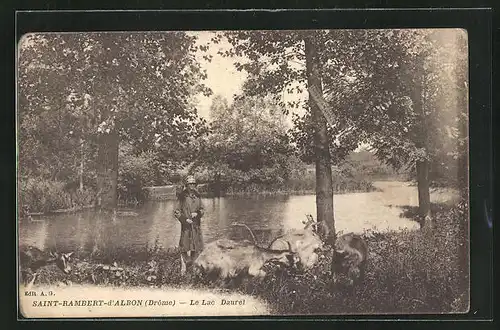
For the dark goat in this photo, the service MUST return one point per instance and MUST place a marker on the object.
(32, 259)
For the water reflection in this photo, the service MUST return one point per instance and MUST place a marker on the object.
(165, 229)
(263, 215)
(268, 217)
(296, 210)
(33, 233)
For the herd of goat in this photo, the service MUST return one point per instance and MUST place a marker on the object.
(227, 259)
(299, 249)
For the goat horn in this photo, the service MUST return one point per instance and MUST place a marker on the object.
(289, 246)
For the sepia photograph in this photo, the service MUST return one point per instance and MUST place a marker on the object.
(243, 173)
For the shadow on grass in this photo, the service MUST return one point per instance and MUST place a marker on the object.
(412, 212)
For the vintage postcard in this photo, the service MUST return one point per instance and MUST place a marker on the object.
(242, 173)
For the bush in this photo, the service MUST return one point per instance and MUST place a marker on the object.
(304, 184)
(135, 172)
(38, 194)
(42, 195)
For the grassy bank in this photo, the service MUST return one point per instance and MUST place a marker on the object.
(408, 272)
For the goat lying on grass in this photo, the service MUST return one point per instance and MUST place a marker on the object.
(350, 252)
(229, 259)
(305, 242)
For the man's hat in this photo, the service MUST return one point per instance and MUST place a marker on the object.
(190, 179)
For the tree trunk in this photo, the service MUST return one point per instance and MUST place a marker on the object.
(324, 191)
(424, 198)
(107, 177)
(217, 187)
(422, 165)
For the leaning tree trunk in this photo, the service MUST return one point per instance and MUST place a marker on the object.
(324, 190)
(107, 176)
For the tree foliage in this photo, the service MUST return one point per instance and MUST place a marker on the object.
(78, 88)
(391, 84)
(401, 91)
(247, 143)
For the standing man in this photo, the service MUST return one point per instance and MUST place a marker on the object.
(189, 211)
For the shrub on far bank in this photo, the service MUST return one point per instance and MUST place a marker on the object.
(303, 184)
(38, 194)
(135, 172)
(41, 195)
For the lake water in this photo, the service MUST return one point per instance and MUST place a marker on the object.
(267, 216)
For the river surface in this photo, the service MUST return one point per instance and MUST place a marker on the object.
(267, 216)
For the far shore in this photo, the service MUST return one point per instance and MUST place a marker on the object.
(376, 186)
(203, 195)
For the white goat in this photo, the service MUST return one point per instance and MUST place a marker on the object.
(229, 258)
(305, 242)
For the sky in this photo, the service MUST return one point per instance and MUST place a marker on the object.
(223, 78)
